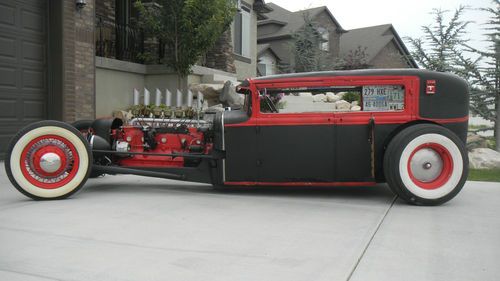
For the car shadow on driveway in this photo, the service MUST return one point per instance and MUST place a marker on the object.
(377, 193)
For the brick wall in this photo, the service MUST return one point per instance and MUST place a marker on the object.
(78, 61)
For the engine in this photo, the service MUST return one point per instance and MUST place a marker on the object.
(153, 142)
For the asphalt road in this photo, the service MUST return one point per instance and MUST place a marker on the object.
(135, 228)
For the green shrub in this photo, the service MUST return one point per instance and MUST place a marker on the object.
(352, 96)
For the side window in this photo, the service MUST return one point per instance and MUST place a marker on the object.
(332, 99)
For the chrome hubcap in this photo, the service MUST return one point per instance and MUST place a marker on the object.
(426, 165)
(50, 162)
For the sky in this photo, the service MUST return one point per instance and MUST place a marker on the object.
(406, 16)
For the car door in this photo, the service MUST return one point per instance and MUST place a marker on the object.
(294, 147)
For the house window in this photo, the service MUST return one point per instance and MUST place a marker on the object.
(324, 35)
(242, 31)
(266, 65)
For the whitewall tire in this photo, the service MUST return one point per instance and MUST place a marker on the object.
(48, 160)
(426, 164)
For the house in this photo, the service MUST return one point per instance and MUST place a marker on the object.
(71, 60)
(276, 29)
(381, 45)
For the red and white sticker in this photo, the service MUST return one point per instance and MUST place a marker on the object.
(430, 88)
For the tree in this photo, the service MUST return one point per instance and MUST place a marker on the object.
(355, 59)
(442, 41)
(186, 28)
(484, 73)
(306, 48)
(444, 48)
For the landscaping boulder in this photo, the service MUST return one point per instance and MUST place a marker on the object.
(341, 95)
(342, 105)
(484, 158)
(319, 98)
(476, 141)
(331, 97)
(215, 108)
(356, 108)
(229, 97)
(211, 92)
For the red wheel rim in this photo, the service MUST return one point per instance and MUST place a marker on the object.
(445, 172)
(55, 146)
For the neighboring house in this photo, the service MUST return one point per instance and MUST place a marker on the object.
(268, 62)
(382, 45)
(383, 48)
(71, 60)
(276, 31)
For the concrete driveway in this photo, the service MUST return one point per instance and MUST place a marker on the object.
(134, 228)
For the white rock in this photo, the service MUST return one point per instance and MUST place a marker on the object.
(305, 95)
(215, 108)
(484, 158)
(229, 97)
(356, 108)
(341, 94)
(331, 97)
(342, 105)
(354, 103)
(211, 92)
(319, 98)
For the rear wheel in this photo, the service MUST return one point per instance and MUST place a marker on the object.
(426, 164)
(48, 160)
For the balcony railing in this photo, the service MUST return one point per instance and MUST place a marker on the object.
(122, 42)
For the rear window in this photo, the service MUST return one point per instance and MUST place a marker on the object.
(332, 99)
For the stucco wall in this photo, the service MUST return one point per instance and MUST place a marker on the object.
(283, 48)
(389, 57)
(116, 80)
(245, 68)
(114, 90)
(269, 60)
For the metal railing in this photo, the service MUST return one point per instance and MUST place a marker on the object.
(122, 42)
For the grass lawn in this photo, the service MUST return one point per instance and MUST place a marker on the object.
(484, 175)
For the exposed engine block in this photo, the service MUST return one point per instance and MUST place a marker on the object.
(155, 137)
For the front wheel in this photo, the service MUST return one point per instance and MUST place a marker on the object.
(426, 164)
(48, 160)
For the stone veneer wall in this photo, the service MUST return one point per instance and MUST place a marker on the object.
(221, 55)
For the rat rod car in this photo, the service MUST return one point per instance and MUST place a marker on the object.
(342, 128)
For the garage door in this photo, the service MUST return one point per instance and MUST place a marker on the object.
(23, 65)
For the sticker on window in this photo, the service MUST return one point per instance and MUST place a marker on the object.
(383, 98)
